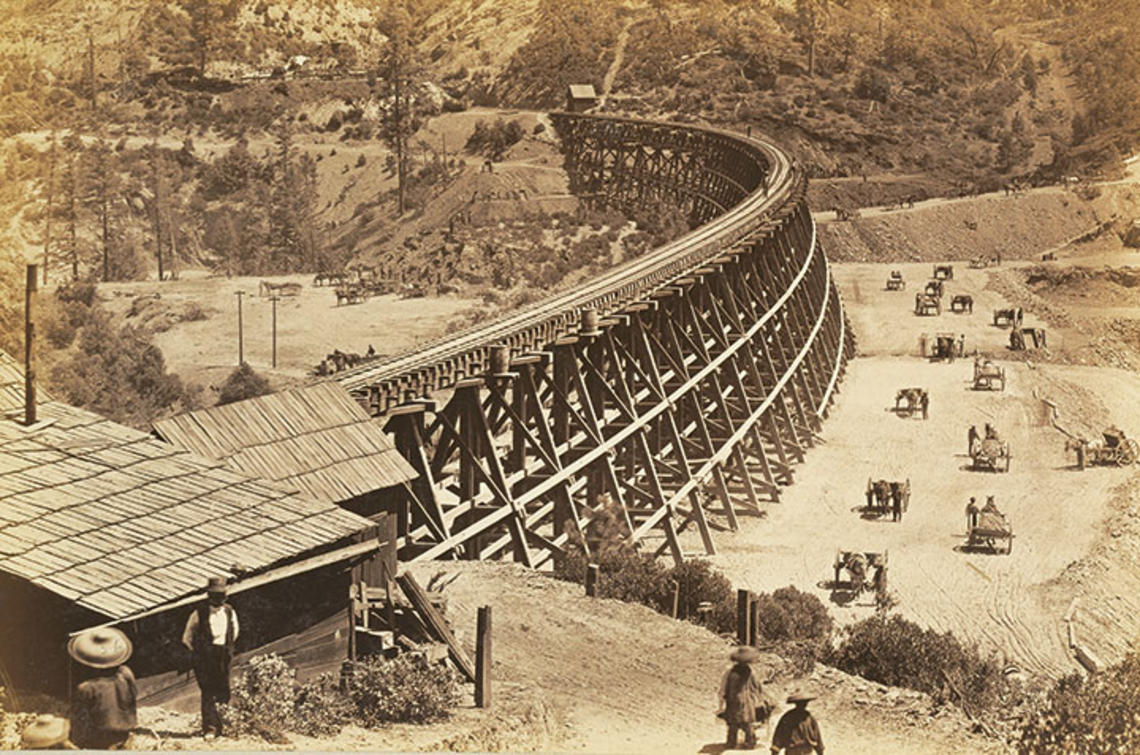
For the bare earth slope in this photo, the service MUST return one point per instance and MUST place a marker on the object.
(625, 679)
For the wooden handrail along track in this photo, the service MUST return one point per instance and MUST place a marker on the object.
(680, 385)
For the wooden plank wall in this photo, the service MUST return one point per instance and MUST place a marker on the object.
(318, 649)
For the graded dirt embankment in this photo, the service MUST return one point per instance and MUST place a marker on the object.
(1018, 227)
(621, 678)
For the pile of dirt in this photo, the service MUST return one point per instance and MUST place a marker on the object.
(1108, 286)
(157, 315)
(1014, 227)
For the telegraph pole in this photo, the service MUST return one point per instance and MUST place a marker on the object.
(241, 351)
(275, 298)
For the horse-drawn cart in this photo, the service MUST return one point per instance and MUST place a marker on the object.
(866, 570)
(1115, 449)
(927, 304)
(895, 282)
(991, 454)
(988, 376)
(991, 532)
(943, 272)
(911, 401)
(962, 303)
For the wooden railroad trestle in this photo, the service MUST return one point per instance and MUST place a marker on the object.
(694, 394)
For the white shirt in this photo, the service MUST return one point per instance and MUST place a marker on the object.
(218, 618)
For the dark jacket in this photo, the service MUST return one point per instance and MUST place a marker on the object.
(104, 709)
(797, 731)
(742, 693)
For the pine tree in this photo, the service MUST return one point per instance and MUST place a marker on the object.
(399, 71)
(103, 189)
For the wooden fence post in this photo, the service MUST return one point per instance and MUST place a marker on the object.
(753, 618)
(592, 580)
(743, 616)
(483, 658)
(676, 599)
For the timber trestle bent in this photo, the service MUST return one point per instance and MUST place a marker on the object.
(684, 384)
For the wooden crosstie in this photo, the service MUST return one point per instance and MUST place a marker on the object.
(683, 386)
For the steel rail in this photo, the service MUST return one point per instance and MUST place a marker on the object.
(633, 280)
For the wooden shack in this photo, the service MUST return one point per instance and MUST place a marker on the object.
(580, 98)
(316, 440)
(103, 524)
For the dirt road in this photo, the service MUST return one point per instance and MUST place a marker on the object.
(1056, 512)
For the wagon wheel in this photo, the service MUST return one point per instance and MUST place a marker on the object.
(1129, 452)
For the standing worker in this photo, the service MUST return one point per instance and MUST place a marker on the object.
(104, 708)
(971, 514)
(925, 405)
(210, 634)
(797, 733)
(740, 695)
(896, 503)
(972, 438)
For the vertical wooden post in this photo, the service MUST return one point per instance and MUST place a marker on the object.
(241, 348)
(676, 599)
(743, 616)
(29, 342)
(592, 580)
(753, 616)
(274, 299)
(483, 658)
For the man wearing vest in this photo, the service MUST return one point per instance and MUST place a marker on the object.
(210, 634)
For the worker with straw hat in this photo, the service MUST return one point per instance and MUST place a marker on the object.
(741, 695)
(103, 708)
(797, 732)
(47, 733)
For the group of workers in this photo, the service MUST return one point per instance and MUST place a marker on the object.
(104, 704)
(743, 704)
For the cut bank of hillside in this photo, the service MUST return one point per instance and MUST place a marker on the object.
(1014, 227)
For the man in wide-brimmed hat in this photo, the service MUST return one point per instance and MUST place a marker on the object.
(103, 708)
(210, 635)
(741, 694)
(797, 732)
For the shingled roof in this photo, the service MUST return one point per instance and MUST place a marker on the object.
(316, 439)
(121, 523)
(12, 386)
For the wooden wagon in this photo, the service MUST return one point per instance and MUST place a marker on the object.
(909, 401)
(880, 494)
(943, 272)
(962, 303)
(866, 570)
(992, 454)
(992, 532)
(988, 376)
(895, 282)
(925, 304)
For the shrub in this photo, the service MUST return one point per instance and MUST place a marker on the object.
(798, 623)
(698, 582)
(404, 689)
(897, 652)
(1093, 715)
(789, 614)
(493, 139)
(241, 384)
(320, 709)
(262, 700)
